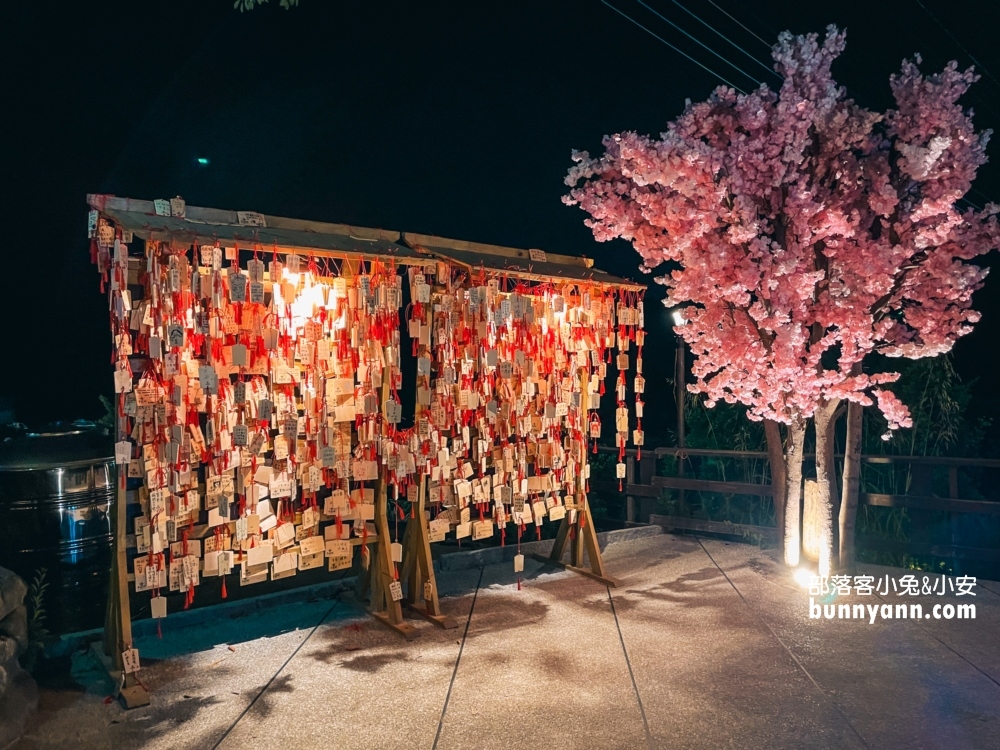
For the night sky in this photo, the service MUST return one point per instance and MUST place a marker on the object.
(454, 119)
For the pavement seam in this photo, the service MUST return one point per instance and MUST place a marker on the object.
(788, 651)
(461, 648)
(631, 674)
(960, 656)
(274, 676)
(992, 591)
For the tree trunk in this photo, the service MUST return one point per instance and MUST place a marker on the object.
(826, 477)
(852, 483)
(776, 458)
(793, 492)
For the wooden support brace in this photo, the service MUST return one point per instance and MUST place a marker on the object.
(584, 535)
(118, 619)
(418, 566)
(384, 608)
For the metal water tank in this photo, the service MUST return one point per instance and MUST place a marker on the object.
(56, 488)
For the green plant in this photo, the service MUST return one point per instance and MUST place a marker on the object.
(943, 425)
(37, 632)
(107, 420)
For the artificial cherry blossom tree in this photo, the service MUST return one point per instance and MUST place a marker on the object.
(803, 232)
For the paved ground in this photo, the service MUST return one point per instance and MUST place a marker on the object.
(706, 644)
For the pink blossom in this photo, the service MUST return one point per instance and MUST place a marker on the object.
(807, 231)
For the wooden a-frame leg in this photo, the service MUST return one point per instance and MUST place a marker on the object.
(383, 607)
(576, 550)
(585, 536)
(408, 569)
(118, 622)
(423, 567)
(560, 543)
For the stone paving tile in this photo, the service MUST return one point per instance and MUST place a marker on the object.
(993, 586)
(976, 640)
(545, 667)
(709, 674)
(196, 696)
(542, 667)
(898, 684)
(357, 684)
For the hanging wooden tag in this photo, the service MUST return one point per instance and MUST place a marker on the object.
(130, 660)
(396, 590)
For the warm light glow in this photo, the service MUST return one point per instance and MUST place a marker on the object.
(824, 555)
(792, 552)
(678, 318)
(802, 576)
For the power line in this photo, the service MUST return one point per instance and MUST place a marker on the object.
(961, 46)
(980, 193)
(762, 41)
(705, 23)
(675, 49)
(697, 41)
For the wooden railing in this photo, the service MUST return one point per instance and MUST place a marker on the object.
(643, 485)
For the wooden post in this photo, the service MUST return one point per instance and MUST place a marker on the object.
(582, 527)
(418, 565)
(384, 608)
(118, 621)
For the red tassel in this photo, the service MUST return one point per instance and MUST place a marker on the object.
(159, 631)
(224, 595)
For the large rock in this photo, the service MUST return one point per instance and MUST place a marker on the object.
(15, 627)
(12, 592)
(18, 692)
